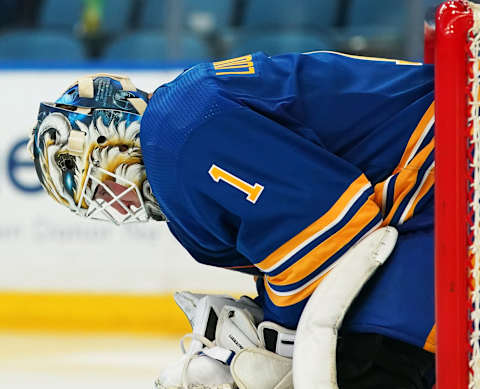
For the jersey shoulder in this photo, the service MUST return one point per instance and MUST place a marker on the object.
(178, 108)
(174, 112)
(180, 104)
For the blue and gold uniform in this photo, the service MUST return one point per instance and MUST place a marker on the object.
(276, 166)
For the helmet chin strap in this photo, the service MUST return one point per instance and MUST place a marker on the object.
(100, 209)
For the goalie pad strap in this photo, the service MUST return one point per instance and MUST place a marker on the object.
(220, 354)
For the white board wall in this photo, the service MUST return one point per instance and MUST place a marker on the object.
(43, 247)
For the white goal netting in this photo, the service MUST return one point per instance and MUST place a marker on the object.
(473, 135)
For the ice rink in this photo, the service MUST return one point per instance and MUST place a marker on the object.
(51, 361)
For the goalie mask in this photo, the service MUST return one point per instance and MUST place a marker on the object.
(86, 150)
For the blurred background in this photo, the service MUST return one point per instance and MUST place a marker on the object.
(84, 304)
(159, 31)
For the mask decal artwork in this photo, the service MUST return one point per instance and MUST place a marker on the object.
(111, 152)
(86, 150)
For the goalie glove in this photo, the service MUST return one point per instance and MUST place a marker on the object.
(233, 325)
(263, 352)
(204, 365)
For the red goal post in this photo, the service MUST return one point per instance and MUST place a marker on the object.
(457, 194)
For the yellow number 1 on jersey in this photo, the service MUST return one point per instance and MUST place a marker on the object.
(253, 191)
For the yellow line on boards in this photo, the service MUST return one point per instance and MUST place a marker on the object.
(91, 312)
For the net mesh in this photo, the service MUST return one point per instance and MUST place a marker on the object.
(473, 136)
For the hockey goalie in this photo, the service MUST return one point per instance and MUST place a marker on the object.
(307, 171)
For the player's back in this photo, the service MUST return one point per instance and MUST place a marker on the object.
(274, 118)
(278, 165)
(363, 110)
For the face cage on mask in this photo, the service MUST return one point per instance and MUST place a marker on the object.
(103, 210)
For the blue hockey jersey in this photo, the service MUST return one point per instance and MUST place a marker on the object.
(276, 166)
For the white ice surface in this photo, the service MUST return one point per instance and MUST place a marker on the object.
(40, 361)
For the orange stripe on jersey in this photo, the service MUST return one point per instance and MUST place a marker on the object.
(418, 135)
(421, 192)
(239, 267)
(379, 195)
(406, 180)
(329, 217)
(431, 342)
(420, 158)
(320, 254)
(284, 301)
(416, 138)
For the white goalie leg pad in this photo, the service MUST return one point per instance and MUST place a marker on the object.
(257, 368)
(203, 371)
(314, 355)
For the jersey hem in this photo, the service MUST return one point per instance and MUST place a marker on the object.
(369, 328)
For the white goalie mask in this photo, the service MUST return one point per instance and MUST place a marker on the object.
(87, 155)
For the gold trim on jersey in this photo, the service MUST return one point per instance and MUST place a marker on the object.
(406, 172)
(317, 228)
(417, 137)
(234, 66)
(321, 253)
(406, 179)
(364, 58)
(285, 300)
(431, 342)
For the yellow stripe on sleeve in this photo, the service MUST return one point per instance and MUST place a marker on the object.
(422, 156)
(295, 243)
(407, 178)
(409, 160)
(421, 192)
(286, 300)
(379, 196)
(403, 185)
(320, 254)
(431, 342)
(373, 59)
(415, 139)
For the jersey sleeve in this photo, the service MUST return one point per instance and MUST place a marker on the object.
(283, 202)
